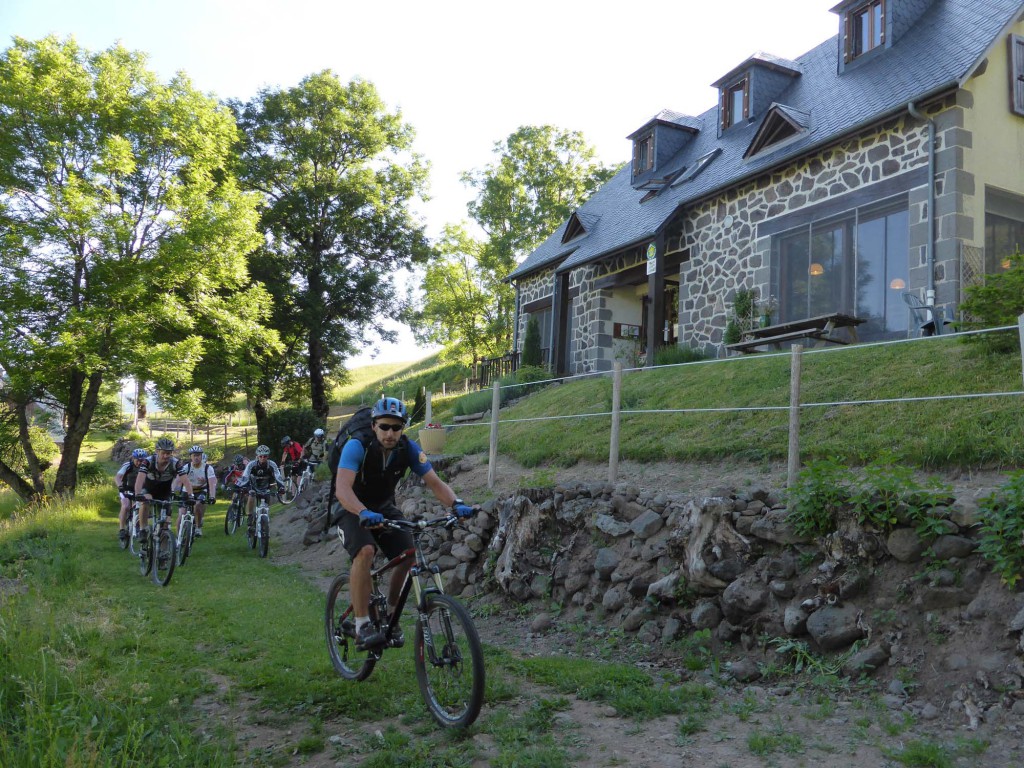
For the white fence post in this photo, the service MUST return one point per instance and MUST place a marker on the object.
(794, 416)
(1020, 331)
(429, 417)
(613, 442)
(492, 462)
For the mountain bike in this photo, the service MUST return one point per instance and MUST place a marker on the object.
(447, 652)
(258, 531)
(236, 510)
(162, 543)
(132, 542)
(306, 477)
(186, 526)
(293, 483)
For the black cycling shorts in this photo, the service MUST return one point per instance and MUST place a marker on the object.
(159, 491)
(391, 543)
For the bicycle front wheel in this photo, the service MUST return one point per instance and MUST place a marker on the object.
(449, 662)
(164, 556)
(340, 627)
(145, 554)
(264, 535)
(185, 548)
(289, 492)
(232, 516)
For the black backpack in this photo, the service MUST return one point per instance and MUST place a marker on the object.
(359, 427)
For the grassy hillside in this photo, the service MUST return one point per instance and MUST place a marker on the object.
(928, 434)
(369, 381)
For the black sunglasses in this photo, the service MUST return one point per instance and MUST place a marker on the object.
(391, 427)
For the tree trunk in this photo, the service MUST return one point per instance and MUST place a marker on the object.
(81, 404)
(35, 471)
(17, 483)
(316, 377)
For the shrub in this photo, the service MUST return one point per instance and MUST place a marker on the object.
(474, 402)
(297, 423)
(814, 502)
(675, 355)
(998, 302)
(531, 344)
(1002, 529)
(92, 473)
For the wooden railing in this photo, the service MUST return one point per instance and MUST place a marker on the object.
(487, 369)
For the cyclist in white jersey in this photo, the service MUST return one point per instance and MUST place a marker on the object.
(203, 478)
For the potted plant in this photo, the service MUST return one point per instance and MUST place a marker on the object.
(432, 438)
(767, 308)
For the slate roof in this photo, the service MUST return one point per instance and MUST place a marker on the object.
(939, 51)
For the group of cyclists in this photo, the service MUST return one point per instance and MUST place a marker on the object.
(368, 471)
(157, 476)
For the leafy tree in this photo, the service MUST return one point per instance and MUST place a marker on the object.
(119, 220)
(337, 175)
(542, 175)
(467, 307)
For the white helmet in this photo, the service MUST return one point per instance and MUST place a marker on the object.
(318, 433)
(262, 450)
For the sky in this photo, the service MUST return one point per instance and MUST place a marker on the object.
(464, 73)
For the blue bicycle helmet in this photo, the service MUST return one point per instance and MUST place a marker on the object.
(390, 406)
(139, 453)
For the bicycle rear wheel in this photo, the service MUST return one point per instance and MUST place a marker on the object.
(289, 492)
(340, 628)
(164, 556)
(264, 535)
(450, 665)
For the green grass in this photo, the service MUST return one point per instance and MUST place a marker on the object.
(928, 434)
(366, 383)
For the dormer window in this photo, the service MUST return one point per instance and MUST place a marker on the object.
(865, 28)
(643, 154)
(735, 103)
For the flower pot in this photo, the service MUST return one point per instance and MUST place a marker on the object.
(432, 440)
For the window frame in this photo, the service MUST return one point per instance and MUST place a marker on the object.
(851, 42)
(729, 119)
(643, 162)
(1016, 66)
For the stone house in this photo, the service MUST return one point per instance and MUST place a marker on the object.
(888, 159)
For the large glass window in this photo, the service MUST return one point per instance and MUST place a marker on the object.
(856, 264)
(1004, 228)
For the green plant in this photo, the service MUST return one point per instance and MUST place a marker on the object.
(297, 423)
(815, 501)
(733, 334)
(675, 355)
(531, 355)
(999, 301)
(1002, 529)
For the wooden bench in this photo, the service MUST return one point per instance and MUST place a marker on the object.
(820, 329)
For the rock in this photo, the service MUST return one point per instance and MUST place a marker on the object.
(866, 660)
(647, 524)
(614, 598)
(664, 589)
(541, 623)
(834, 626)
(929, 711)
(727, 569)
(905, 545)
(795, 620)
(606, 562)
(744, 671)
(671, 630)
(946, 547)
(609, 525)
(705, 615)
(773, 527)
(744, 597)
(635, 619)
(576, 581)
(781, 588)
(941, 598)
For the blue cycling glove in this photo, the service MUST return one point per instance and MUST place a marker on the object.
(368, 518)
(463, 510)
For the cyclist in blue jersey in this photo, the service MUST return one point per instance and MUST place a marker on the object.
(368, 472)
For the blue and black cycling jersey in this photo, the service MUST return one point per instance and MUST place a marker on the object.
(377, 475)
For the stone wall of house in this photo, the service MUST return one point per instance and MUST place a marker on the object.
(536, 286)
(721, 234)
(725, 251)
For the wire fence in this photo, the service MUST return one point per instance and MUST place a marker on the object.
(794, 406)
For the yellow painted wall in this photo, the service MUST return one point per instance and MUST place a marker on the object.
(996, 157)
